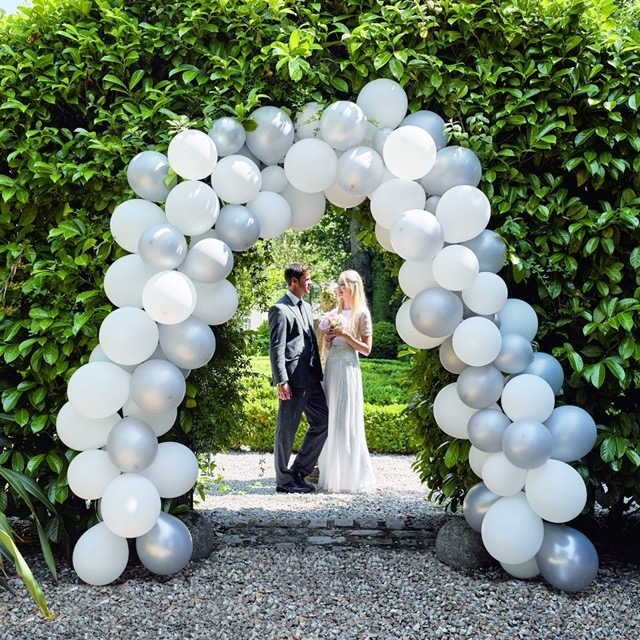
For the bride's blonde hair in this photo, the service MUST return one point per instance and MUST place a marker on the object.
(353, 282)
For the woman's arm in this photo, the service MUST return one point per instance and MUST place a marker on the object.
(362, 344)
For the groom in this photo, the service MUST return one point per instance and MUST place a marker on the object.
(297, 374)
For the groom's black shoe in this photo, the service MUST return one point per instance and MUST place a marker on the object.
(293, 487)
(299, 479)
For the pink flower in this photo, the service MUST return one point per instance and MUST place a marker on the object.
(331, 320)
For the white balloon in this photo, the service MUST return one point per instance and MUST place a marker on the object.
(90, 472)
(310, 165)
(463, 212)
(431, 122)
(518, 316)
(98, 389)
(124, 280)
(501, 476)
(192, 207)
(511, 531)
(415, 276)
(307, 121)
(383, 236)
(273, 135)
(416, 235)
(162, 246)
(98, 355)
(522, 570)
(409, 152)
(477, 458)
(131, 218)
(556, 491)
(208, 260)
(128, 336)
(336, 195)
(455, 267)
(431, 204)
(161, 423)
(359, 171)
(169, 297)
(273, 213)
(273, 179)
(174, 471)
(147, 175)
(343, 125)
(393, 198)
(409, 334)
(306, 208)
(236, 179)
(527, 396)
(217, 303)
(130, 505)
(81, 433)
(384, 102)
(451, 414)
(192, 154)
(477, 341)
(100, 556)
(486, 295)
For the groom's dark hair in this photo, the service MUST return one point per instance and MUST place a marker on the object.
(295, 270)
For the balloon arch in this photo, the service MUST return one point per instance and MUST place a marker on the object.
(168, 292)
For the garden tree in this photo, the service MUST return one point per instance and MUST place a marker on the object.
(544, 93)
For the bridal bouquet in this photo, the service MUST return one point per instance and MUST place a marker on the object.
(332, 320)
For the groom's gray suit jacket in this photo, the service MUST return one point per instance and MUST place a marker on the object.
(294, 350)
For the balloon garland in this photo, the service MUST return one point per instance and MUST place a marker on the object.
(172, 288)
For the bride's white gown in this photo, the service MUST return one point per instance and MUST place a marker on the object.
(345, 464)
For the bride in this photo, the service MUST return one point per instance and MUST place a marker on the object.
(345, 464)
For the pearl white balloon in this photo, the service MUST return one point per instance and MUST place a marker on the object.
(343, 125)
(415, 276)
(477, 459)
(157, 386)
(147, 175)
(125, 279)
(192, 207)
(273, 213)
(236, 179)
(169, 297)
(228, 135)
(161, 423)
(90, 472)
(208, 260)
(394, 197)
(487, 294)
(477, 341)
(192, 154)
(217, 303)
(273, 179)
(522, 570)
(409, 334)
(273, 135)
(431, 204)
(189, 344)
(518, 316)
(453, 166)
(455, 268)
(128, 336)
(310, 165)
(131, 218)
(409, 152)
(130, 505)
(463, 212)
(379, 138)
(98, 355)
(383, 236)
(307, 121)
(501, 476)
(174, 471)
(450, 413)
(162, 246)
(336, 195)
(527, 396)
(436, 312)
(100, 556)
(81, 433)
(238, 227)
(98, 389)
(359, 171)
(431, 122)
(556, 491)
(306, 208)
(384, 102)
(416, 235)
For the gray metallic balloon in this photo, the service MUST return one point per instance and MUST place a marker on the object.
(454, 166)
(486, 428)
(490, 249)
(545, 366)
(167, 547)
(147, 175)
(162, 246)
(573, 432)
(527, 443)
(567, 558)
(476, 504)
(449, 359)
(238, 227)
(273, 135)
(189, 344)
(157, 386)
(132, 445)
(208, 260)
(436, 312)
(431, 122)
(228, 135)
(480, 387)
(515, 354)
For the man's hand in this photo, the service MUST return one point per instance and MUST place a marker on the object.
(284, 391)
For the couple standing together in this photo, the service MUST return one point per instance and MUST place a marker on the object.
(335, 440)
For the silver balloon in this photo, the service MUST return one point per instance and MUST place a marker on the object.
(238, 227)
(167, 547)
(189, 344)
(157, 386)
(548, 368)
(476, 504)
(431, 122)
(573, 432)
(449, 359)
(436, 312)
(515, 354)
(273, 135)
(147, 175)
(490, 249)
(208, 260)
(486, 428)
(228, 135)
(132, 445)
(567, 558)
(454, 166)
(527, 443)
(480, 387)
(162, 246)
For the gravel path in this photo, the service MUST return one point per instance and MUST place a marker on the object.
(278, 589)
